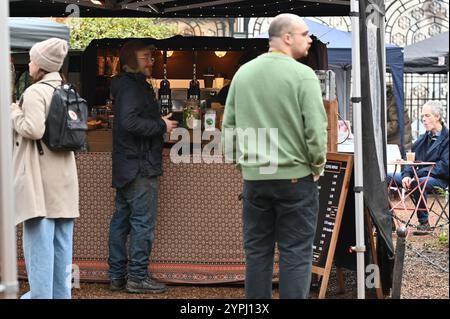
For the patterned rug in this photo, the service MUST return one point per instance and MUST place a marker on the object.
(198, 237)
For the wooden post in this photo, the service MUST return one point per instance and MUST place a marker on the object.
(331, 108)
(340, 280)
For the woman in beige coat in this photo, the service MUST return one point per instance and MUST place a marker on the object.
(46, 186)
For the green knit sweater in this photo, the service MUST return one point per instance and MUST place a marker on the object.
(276, 93)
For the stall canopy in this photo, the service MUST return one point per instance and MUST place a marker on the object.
(181, 43)
(339, 45)
(25, 32)
(428, 56)
(179, 8)
(176, 43)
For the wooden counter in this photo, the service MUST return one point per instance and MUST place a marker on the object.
(99, 140)
(198, 235)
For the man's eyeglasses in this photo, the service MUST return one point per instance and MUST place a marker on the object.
(147, 58)
(301, 33)
(292, 33)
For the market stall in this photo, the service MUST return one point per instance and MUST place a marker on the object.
(199, 229)
(369, 15)
(211, 61)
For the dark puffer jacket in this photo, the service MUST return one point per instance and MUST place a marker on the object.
(137, 131)
(438, 153)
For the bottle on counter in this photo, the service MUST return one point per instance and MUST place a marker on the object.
(164, 92)
(100, 65)
(94, 112)
(194, 85)
(108, 64)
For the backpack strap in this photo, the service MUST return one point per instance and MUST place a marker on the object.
(46, 83)
(38, 142)
(39, 146)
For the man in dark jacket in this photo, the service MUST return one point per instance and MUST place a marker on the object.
(432, 146)
(137, 162)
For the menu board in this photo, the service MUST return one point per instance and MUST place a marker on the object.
(333, 187)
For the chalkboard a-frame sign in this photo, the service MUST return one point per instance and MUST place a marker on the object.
(333, 188)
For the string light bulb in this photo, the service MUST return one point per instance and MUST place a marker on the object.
(220, 54)
(97, 2)
(168, 53)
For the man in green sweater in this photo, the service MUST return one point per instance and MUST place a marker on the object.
(275, 110)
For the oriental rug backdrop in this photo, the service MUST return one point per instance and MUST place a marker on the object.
(199, 228)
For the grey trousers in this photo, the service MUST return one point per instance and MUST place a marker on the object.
(282, 212)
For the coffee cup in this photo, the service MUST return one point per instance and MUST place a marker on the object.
(410, 156)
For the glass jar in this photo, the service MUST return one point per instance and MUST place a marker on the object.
(192, 115)
(210, 120)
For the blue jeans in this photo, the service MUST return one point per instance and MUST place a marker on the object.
(422, 214)
(282, 212)
(135, 215)
(47, 247)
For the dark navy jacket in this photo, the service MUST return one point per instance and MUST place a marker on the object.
(137, 131)
(437, 152)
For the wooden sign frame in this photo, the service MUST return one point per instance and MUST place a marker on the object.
(325, 271)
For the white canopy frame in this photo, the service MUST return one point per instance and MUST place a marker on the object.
(8, 260)
(360, 247)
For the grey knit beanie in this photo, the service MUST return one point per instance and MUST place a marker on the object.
(49, 55)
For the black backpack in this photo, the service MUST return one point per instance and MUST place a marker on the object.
(66, 124)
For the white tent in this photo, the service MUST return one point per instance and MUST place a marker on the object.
(25, 32)
(8, 277)
(19, 34)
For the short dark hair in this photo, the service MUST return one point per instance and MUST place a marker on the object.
(128, 53)
(281, 24)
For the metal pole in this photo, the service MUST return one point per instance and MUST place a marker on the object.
(9, 284)
(359, 195)
(383, 43)
(399, 262)
(448, 86)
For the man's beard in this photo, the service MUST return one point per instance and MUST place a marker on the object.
(147, 72)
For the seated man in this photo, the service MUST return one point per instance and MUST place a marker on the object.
(432, 146)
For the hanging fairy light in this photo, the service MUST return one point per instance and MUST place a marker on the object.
(168, 53)
(220, 54)
(97, 2)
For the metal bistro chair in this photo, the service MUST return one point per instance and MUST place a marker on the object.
(438, 202)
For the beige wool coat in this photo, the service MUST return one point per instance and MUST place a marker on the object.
(47, 185)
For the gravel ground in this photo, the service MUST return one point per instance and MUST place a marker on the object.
(426, 268)
(425, 276)
(421, 280)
